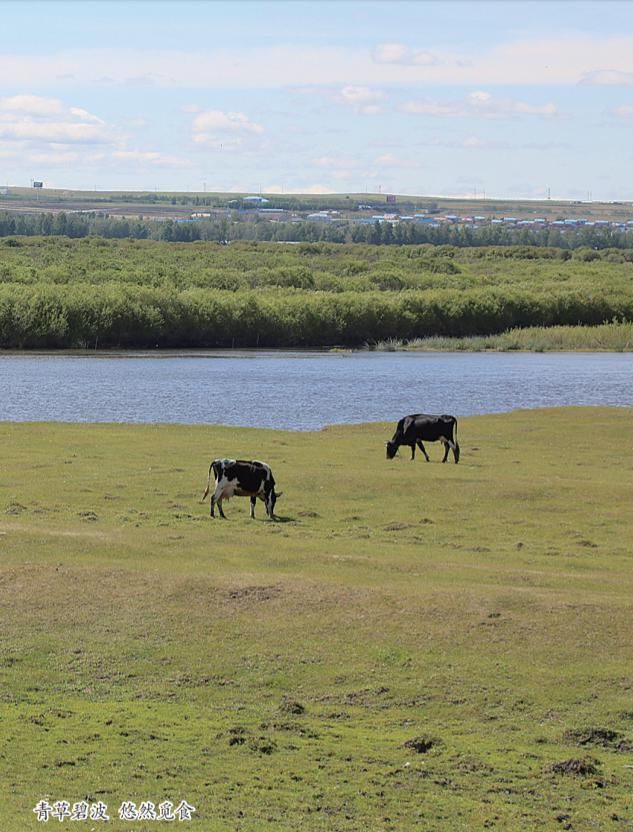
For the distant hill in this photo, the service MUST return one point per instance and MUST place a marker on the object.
(168, 204)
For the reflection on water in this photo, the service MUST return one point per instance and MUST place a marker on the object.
(302, 390)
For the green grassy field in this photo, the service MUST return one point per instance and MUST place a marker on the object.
(413, 646)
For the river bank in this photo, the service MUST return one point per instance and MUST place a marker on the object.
(608, 337)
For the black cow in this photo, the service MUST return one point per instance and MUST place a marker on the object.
(411, 430)
(239, 478)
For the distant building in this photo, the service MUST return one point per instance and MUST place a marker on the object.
(256, 200)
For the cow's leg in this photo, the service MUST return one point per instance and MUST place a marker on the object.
(412, 451)
(456, 452)
(216, 500)
(268, 502)
(423, 449)
(253, 501)
(446, 444)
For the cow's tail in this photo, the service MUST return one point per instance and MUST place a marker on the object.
(456, 451)
(207, 489)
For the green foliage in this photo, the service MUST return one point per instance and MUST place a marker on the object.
(86, 292)
(615, 337)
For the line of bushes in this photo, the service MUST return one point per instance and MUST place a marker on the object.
(122, 315)
(319, 267)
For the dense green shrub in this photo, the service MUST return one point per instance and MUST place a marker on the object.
(63, 292)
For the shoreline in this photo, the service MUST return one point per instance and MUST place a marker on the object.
(607, 337)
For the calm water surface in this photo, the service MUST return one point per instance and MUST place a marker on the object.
(302, 390)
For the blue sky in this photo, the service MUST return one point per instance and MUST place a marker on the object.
(503, 99)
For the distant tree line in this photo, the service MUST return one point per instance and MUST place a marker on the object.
(234, 227)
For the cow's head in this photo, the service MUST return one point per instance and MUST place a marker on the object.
(392, 447)
(271, 500)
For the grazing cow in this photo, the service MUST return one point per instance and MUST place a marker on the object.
(411, 430)
(239, 478)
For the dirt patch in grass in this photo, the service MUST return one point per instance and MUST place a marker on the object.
(598, 737)
(262, 745)
(254, 594)
(15, 508)
(422, 745)
(287, 596)
(397, 527)
(237, 735)
(89, 516)
(584, 767)
(290, 706)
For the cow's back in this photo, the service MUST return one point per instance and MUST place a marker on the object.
(429, 427)
(414, 425)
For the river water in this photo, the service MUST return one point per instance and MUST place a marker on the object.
(301, 390)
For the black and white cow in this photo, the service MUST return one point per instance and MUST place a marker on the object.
(241, 478)
(412, 430)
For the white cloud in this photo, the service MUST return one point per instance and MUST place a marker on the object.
(473, 142)
(84, 115)
(479, 104)
(362, 99)
(150, 157)
(317, 189)
(340, 168)
(547, 61)
(32, 104)
(607, 78)
(51, 131)
(136, 123)
(307, 189)
(432, 108)
(65, 157)
(39, 119)
(390, 160)
(625, 111)
(336, 162)
(397, 53)
(217, 127)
